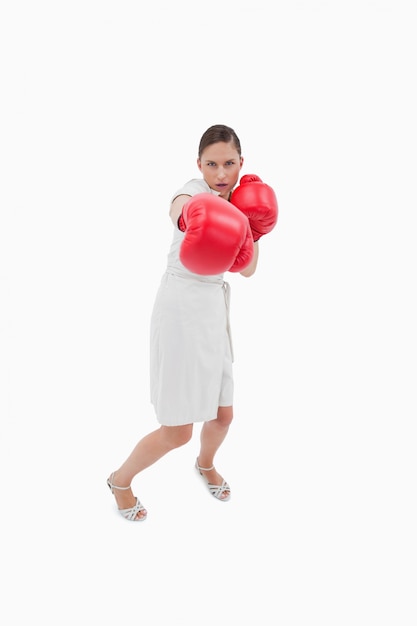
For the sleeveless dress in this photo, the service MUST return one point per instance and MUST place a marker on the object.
(191, 351)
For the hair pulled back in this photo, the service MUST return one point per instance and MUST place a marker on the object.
(219, 133)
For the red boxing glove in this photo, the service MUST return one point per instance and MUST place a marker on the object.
(258, 202)
(217, 236)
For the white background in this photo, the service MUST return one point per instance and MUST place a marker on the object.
(102, 107)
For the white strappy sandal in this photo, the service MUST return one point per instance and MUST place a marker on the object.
(215, 490)
(129, 514)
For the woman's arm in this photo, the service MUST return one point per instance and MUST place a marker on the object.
(248, 271)
(176, 207)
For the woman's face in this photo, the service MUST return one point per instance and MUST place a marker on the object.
(220, 165)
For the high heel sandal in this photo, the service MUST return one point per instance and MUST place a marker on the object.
(215, 490)
(129, 514)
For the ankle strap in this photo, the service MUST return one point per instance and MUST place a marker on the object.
(205, 469)
(120, 488)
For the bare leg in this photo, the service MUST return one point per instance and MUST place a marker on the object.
(212, 436)
(149, 449)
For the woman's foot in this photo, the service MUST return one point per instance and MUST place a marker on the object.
(127, 504)
(218, 487)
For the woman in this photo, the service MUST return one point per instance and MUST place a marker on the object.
(191, 350)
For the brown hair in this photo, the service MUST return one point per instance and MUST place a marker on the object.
(217, 133)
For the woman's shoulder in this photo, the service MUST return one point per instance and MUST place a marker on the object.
(193, 187)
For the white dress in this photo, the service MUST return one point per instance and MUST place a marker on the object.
(191, 348)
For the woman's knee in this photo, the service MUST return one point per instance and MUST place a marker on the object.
(177, 436)
(225, 415)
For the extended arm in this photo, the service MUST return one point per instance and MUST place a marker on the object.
(176, 207)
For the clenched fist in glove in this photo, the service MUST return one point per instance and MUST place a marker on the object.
(258, 202)
(217, 236)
